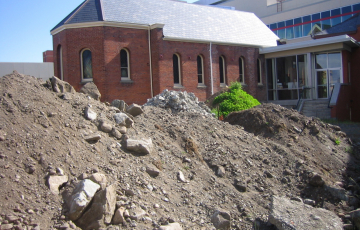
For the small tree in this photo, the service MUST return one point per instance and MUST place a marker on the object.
(235, 99)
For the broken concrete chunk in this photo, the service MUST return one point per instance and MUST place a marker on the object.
(99, 178)
(91, 90)
(116, 133)
(152, 171)
(60, 86)
(94, 137)
(171, 226)
(55, 182)
(101, 211)
(106, 127)
(120, 104)
(90, 114)
(288, 214)
(82, 195)
(119, 216)
(136, 213)
(221, 219)
(134, 110)
(123, 120)
(141, 145)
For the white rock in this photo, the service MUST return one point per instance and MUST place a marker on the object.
(82, 195)
(90, 114)
(123, 120)
(55, 182)
(140, 145)
(172, 226)
(181, 177)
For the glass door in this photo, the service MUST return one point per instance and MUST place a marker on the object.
(328, 73)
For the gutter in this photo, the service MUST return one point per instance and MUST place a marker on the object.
(150, 63)
(211, 71)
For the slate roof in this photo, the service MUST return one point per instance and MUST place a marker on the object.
(182, 21)
(346, 27)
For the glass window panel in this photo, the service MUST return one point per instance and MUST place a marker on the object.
(321, 78)
(335, 21)
(123, 58)
(344, 10)
(298, 31)
(87, 64)
(221, 69)
(176, 69)
(306, 26)
(356, 7)
(281, 33)
(335, 12)
(273, 26)
(289, 30)
(334, 60)
(269, 73)
(315, 26)
(321, 61)
(200, 69)
(241, 70)
(325, 14)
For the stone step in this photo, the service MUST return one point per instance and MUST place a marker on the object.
(316, 108)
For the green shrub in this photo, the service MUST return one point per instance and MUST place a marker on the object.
(235, 99)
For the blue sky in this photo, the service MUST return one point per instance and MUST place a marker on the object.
(25, 27)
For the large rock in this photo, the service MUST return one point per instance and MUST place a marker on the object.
(355, 217)
(119, 216)
(54, 183)
(123, 119)
(120, 104)
(90, 114)
(60, 86)
(101, 211)
(172, 226)
(139, 145)
(134, 110)
(99, 178)
(287, 214)
(316, 181)
(82, 195)
(221, 219)
(91, 90)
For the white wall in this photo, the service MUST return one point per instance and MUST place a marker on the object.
(44, 70)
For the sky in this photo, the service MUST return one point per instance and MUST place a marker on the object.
(25, 27)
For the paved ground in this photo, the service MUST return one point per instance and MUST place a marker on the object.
(352, 130)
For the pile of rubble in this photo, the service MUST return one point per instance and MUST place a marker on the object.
(68, 161)
(179, 101)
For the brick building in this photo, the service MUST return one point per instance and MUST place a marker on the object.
(132, 50)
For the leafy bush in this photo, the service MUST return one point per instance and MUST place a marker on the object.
(235, 99)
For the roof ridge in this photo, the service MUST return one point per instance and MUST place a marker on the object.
(78, 9)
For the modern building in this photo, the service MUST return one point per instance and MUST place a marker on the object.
(315, 68)
(133, 50)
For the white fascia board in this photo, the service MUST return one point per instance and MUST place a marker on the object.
(310, 43)
(194, 40)
(106, 23)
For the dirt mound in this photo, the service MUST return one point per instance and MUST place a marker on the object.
(197, 164)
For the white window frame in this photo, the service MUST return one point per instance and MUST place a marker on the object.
(179, 70)
(242, 72)
(82, 66)
(128, 65)
(202, 83)
(222, 62)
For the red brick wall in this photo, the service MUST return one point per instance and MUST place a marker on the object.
(355, 80)
(48, 56)
(106, 43)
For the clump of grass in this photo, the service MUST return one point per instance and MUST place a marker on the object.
(337, 141)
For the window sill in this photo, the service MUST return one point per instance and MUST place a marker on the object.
(201, 86)
(178, 86)
(223, 85)
(260, 85)
(126, 81)
(84, 81)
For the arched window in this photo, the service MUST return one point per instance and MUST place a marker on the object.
(124, 64)
(200, 70)
(241, 71)
(176, 69)
(59, 62)
(86, 65)
(258, 66)
(222, 71)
